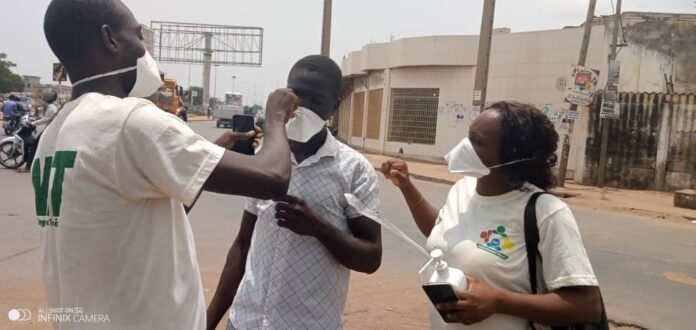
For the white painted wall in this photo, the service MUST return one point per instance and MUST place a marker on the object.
(525, 67)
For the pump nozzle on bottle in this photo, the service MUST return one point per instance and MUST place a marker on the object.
(443, 273)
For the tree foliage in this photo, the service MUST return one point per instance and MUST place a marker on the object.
(9, 81)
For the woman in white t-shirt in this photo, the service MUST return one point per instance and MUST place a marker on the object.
(507, 157)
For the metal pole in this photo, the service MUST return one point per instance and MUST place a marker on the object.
(215, 92)
(233, 88)
(326, 29)
(484, 54)
(207, 58)
(581, 61)
(605, 121)
(188, 82)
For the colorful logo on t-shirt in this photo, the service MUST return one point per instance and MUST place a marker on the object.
(496, 241)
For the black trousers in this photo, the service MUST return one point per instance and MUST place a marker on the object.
(30, 145)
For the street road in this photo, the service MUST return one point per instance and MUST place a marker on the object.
(644, 265)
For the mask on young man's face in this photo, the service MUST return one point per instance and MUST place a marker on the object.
(147, 80)
(304, 125)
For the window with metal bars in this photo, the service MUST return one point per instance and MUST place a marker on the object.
(344, 119)
(413, 115)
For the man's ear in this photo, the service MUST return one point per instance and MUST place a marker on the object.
(106, 34)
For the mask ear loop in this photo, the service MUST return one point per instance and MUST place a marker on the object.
(512, 162)
(108, 74)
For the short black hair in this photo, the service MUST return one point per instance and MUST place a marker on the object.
(71, 26)
(526, 132)
(324, 66)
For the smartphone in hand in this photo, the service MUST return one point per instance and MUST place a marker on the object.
(243, 123)
(440, 293)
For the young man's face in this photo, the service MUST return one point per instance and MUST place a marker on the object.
(314, 93)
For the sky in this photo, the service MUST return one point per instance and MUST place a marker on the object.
(292, 29)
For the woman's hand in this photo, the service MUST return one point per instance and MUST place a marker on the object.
(396, 170)
(474, 305)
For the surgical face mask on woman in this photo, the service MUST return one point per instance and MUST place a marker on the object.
(147, 80)
(463, 159)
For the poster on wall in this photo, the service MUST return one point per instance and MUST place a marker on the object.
(475, 111)
(59, 72)
(459, 113)
(581, 85)
(611, 107)
(572, 115)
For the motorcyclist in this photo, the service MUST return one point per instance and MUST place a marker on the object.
(27, 134)
(11, 111)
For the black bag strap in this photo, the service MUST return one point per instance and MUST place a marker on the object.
(531, 238)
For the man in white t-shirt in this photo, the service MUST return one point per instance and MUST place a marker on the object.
(113, 173)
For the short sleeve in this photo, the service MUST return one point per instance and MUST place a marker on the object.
(160, 156)
(364, 186)
(564, 259)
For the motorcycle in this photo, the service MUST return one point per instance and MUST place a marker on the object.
(12, 147)
(10, 126)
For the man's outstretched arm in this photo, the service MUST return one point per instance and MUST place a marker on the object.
(267, 174)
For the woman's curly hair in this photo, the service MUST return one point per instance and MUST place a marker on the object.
(526, 132)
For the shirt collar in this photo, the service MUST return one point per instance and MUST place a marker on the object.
(328, 150)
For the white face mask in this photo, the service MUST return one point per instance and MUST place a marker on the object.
(304, 125)
(463, 159)
(147, 80)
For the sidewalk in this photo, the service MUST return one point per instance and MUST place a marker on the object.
(199, 118)
(651, 204)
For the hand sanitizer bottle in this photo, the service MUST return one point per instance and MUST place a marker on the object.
(445, 274)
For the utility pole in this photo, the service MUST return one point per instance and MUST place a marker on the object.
(326, 30)
(574, 107)
(207, 59)
(605, 121)
(215, 89)
(484, 55)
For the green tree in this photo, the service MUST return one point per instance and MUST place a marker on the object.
(9, 82)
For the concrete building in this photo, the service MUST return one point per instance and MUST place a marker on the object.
(413, 96)
(32, 84)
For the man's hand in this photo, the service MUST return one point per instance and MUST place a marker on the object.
(474, 305)
(281, 104)
(396, 170)
(294, 214)
(227, 139)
